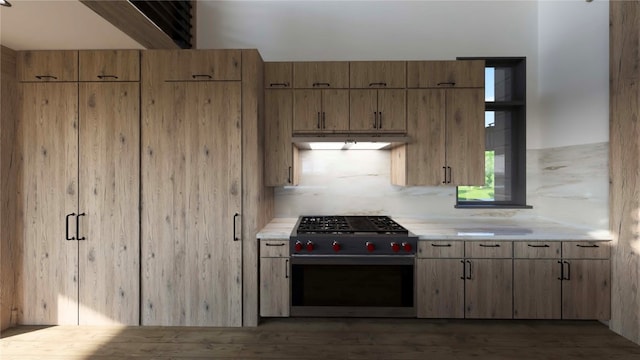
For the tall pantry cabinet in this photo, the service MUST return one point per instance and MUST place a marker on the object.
(79, 116)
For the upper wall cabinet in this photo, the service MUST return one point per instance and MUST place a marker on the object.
(192, 65)
(321, 75)
(109, 65)
(378, 74)
(278, 75)
(439, 74)
(44, 65)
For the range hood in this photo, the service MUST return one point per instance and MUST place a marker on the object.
(349, 142)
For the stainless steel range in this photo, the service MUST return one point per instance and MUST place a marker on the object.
(352, 266)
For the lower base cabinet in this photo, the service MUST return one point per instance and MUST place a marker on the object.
(537, 289)
(488, 289)
(274, 278)
(440, 288)
(586, 290)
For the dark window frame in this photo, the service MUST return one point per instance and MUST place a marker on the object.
(518, 108)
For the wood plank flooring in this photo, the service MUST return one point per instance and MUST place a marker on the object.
(326, 339)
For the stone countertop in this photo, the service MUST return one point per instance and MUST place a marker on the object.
(468, 229)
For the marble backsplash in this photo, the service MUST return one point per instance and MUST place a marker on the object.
(566, 184)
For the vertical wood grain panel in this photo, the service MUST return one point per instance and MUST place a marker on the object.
(586, 293)
(49, 117)
(109, 195)
(536, 289)
(440, 288)
(624, 160)
(274, 286)
(10, 188)
(278, 154)
(488, 294)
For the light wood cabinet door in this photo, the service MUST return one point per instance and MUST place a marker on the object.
(440, 288)
(445, 74)
(536, 289)
(392, 114)
(424, 158)
(109, 198)
(335, 110)
(377, 74)
(279, 166)
(488, 289)
(49, 121)
(278, 75)
(321, 75)
(307, 111)
(191, 176)
(109, 65)
(47, 65)
(465, 140)
(363, 110)
(191, 65)
(586, 289)
(274, 287)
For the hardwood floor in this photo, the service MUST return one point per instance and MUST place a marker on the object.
(326, 339)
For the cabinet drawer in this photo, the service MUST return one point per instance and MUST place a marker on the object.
(439, 74)
(536, 249)
(377, 74)
(278, 75)
(440, 249)
(191, 65)
(488, 249)
(109, 65)
(274, 248)
(45, 65)
(585, 250)
(321, 75)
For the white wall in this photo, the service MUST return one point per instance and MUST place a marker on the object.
(573, 76)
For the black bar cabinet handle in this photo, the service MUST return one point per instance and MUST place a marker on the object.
(324, 122)
(318, 120)
(447, 83)
(538, 246)
(375, 119)
(588, 246)
(321, 84)
(286, 268)
(206, 76)
(490, 246)
(470, 270)
(379, 119)
(464, 270)
(46, 77)
(378, 84)
(449, 181)
(285, 84)
(67, 227)
(561, 270)
(78, 226)
(235, 237)
(102, 77)
(280, 244)
(444, 168)
(568, 270)
(289, 175)
(441, 245)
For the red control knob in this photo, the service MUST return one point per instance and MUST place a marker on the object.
(370, 246)
(298, 246)
(395, 247)
(407, 247)
(310, 246)
(336, 246)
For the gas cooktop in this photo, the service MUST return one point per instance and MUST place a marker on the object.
(348, 225)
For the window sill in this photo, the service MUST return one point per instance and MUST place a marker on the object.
(491, 206)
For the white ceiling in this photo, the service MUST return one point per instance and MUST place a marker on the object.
(58, 24)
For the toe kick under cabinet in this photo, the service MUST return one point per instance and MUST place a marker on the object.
(519, 279)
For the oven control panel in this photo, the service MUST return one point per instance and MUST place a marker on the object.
(353, 246)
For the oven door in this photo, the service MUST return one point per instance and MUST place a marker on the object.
(353, 286)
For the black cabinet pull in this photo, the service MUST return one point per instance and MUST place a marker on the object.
(447, 83)
(46, 77)
(568, 270)
(588, 246)
(286, 268)
(375, 119)
(561, 270)
(235, 237)
(378, 84)
(318, 120)
(449, 181)
(280, 244)
(324, 123)
(441, 245)
(444, 168)
(197, 76)
(538, 246)
(464, 270)
(78, 226)
(380, 120)
(285, 84)
(470, 270)
(289, 175)
(102, 77)
(321, 84)
(67, 227)
(490, 246)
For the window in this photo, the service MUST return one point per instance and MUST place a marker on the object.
(505, 138)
